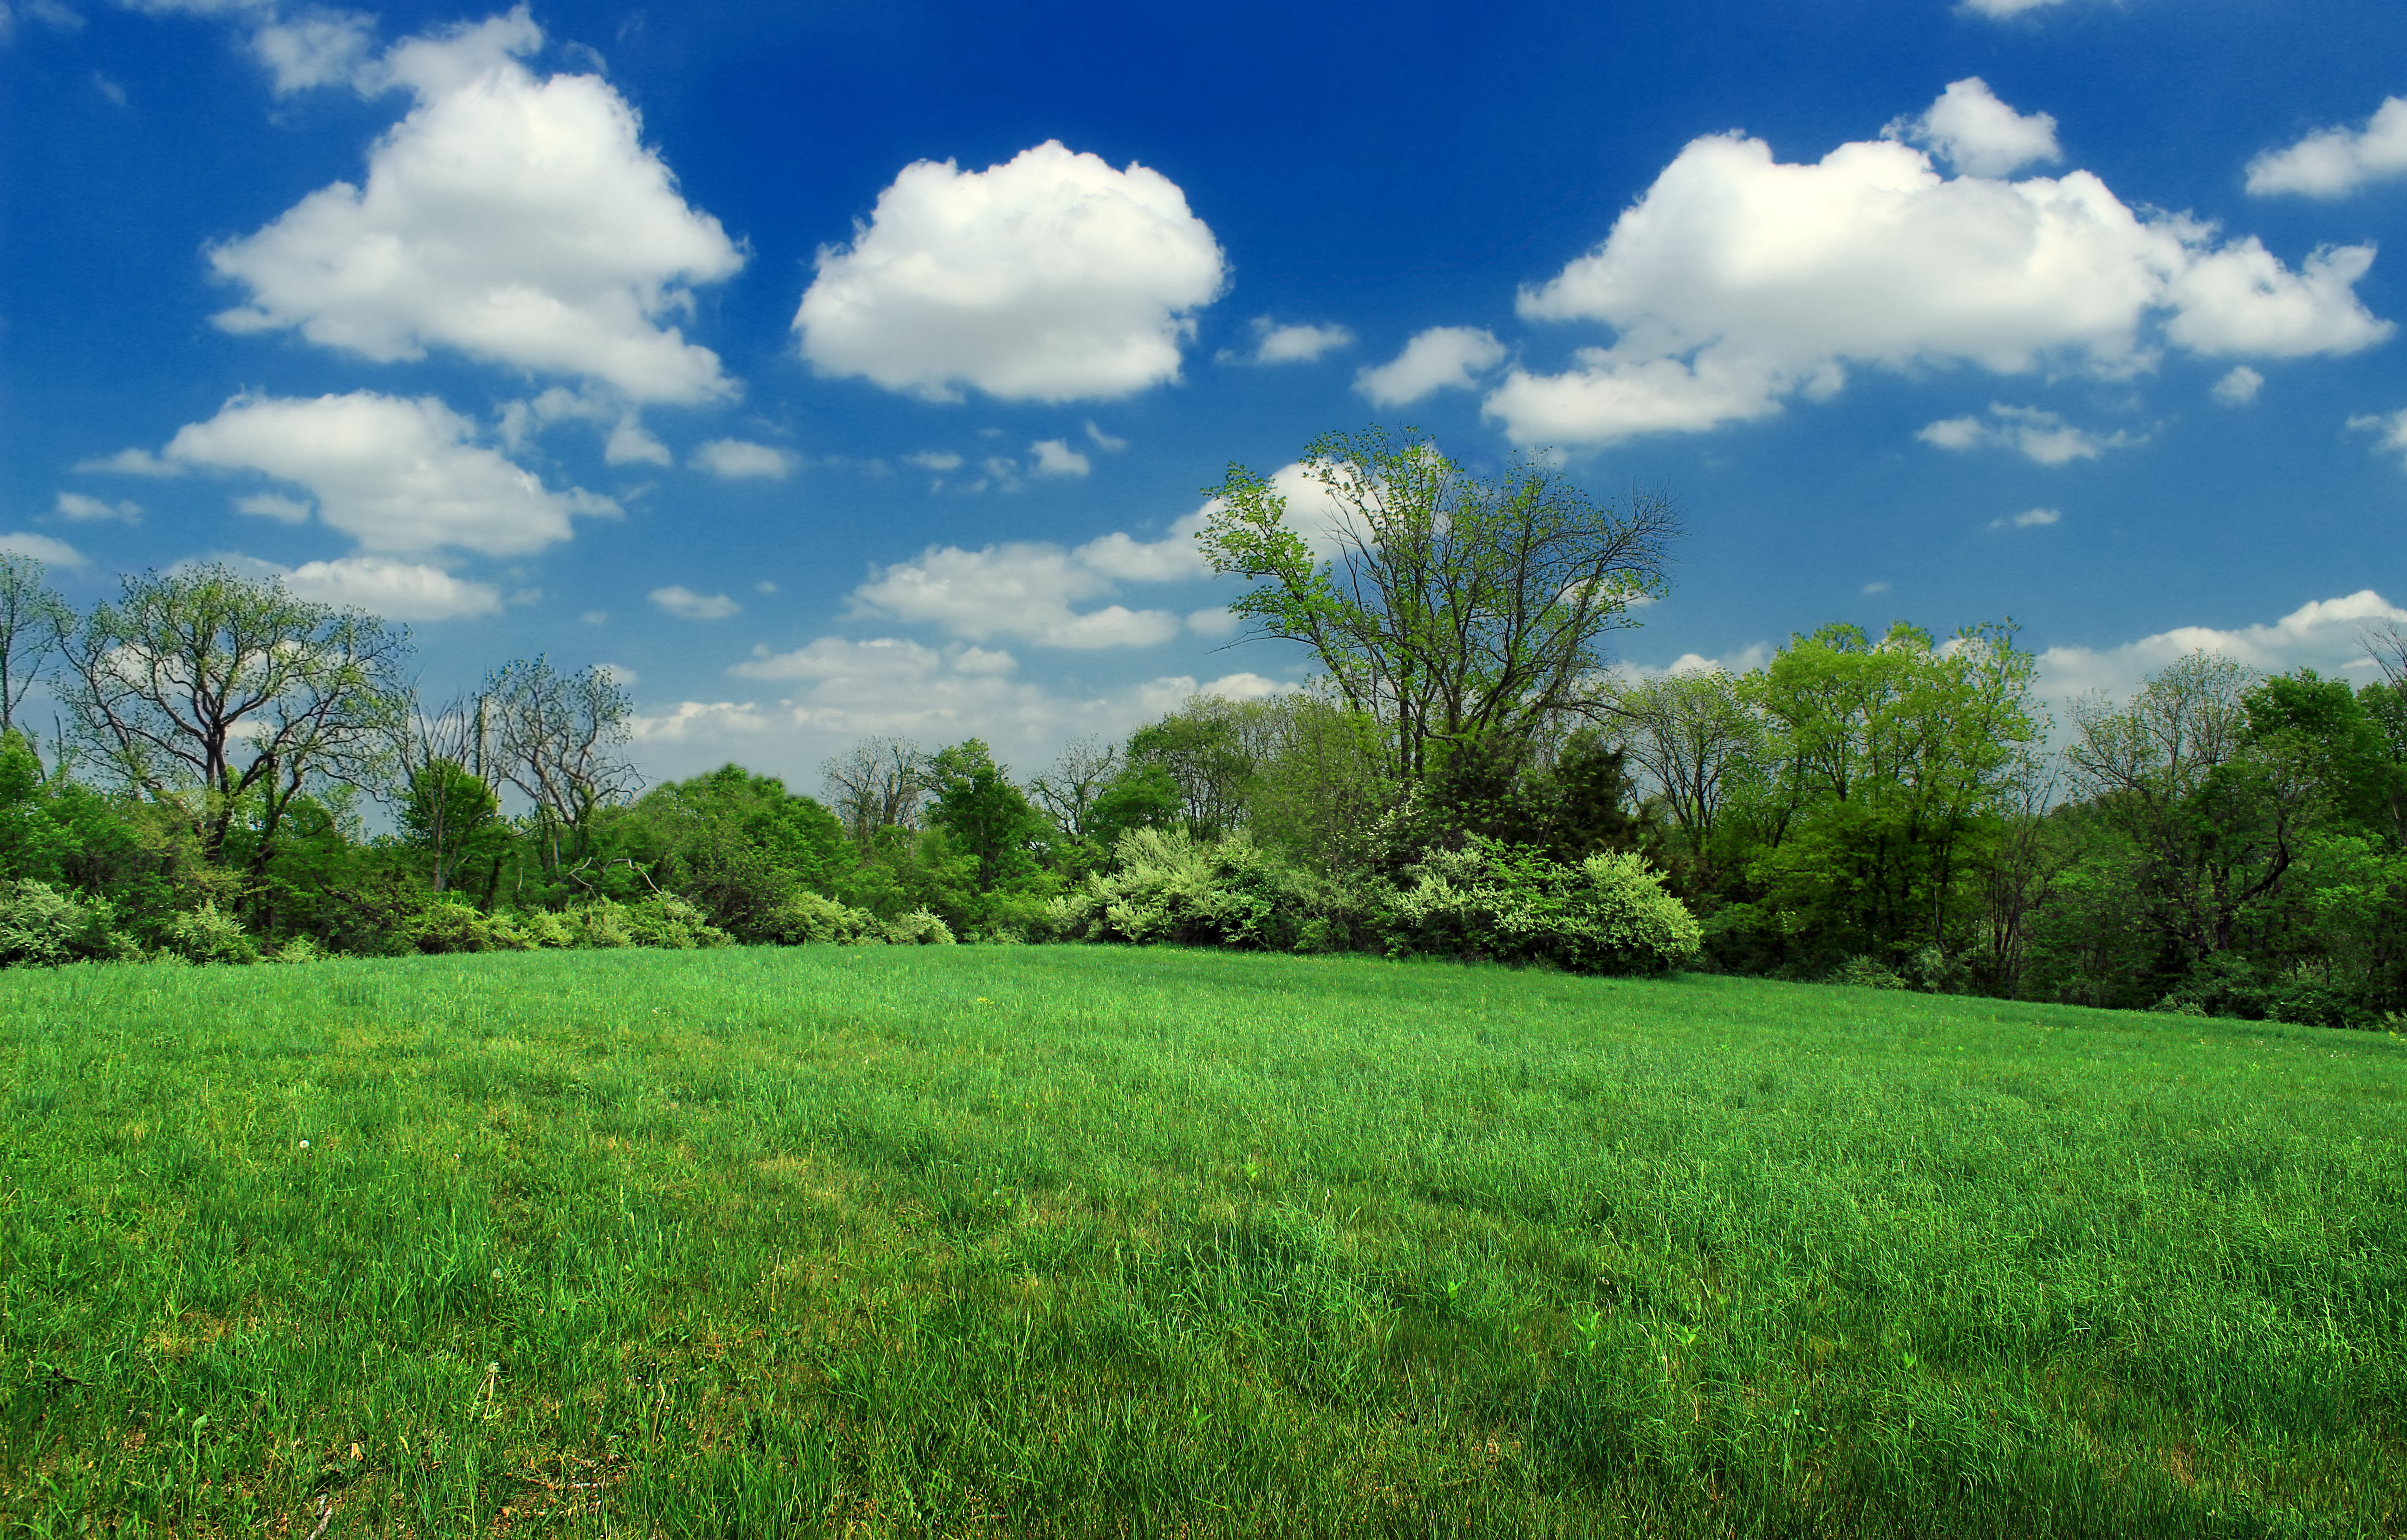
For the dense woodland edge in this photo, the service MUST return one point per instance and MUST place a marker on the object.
(1465, 779)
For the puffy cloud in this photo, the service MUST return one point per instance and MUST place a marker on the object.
(2391, 427)
(686, 603)
(2238, 387)
(1049, 278)
(1055, 457)
(2332, 163)
(129, 462)
(322, 48)
(1022, 590)
(2028, 519)
(1104, 441)
(2035, 434)
(841, 691)
(41, 547)
(1999, 10)
(736, 458)
(519, 220)
(2323, 634)
(1443, 358)
(1737, 281)
(268, 504)
(939, 460)
(1979, 135)
(398, 591)
(75, 508)
(396, 475)
(1292, 344)
(631, 444)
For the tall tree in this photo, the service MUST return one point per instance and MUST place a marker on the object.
(222, 693)
(35, 625)
(878, 783)
(1450, 607)
(1696, 739)
(559, 738)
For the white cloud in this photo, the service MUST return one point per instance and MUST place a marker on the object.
(108, 88)
(75, 508)
(129, 462)
(842, 690)
(1293, 344)
(939, 460)
(519, 220)
(1979, 135)
(595, 617)
(1870, 589)
(1055, 457)
(2238, 387)
(1215, 623)
(268, 504)
(734, 458)
(1443, 358)
(1049, 278)
(686, 603)
(2391, 427)
(2035, 434)
(2028, 519)
(2332, 163)
(1736, 283)
(1104, 441)
(396, 475)
(398, 591)
(1023, 590)
(2001, 9)
(322, 48)
(41, 547)
(2322, 634)
(632, 444)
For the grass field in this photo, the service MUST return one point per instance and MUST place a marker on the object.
(1070, 1241)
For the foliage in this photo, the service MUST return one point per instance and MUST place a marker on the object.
(43, 927)
(208, 934)
(1166, 885)
(1606, 913)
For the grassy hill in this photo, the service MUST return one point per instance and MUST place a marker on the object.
(996, 1241)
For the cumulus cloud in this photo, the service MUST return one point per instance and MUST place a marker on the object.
(2028, 519)
(517, 220)
(41, 547)
(939, 460)
(1979, 135)
(1023, 590)
(1292, 344)
(1736, 283)
(129, 462)
(1049, 278)
(632, 444)
(1443, 358)
(836, 690)
(75, 507)
(2238, 387)
(1055, 457)
(396, 475)
(319, 48)
(2323, 634)
(1104, 441)
(2000, 10)
(687, 605)
(2332, 163)
(736, 458)
(2034, 434)
(2389, 428)
(398, 591)
(269, 504)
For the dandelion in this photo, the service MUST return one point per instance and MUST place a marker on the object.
(304, 1144)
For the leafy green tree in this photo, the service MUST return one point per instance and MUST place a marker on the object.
(740, 845)
(1451, 608)
(230, 699)
(560, 739)
(453, 818)
(989, 817)
(34, 625)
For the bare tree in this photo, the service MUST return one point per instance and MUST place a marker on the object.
(219, 691)
(442, 803)
(1067, 792)
(2387, 645)
(34, 623)
(878, 783)
(557, 737)
(1694, 736)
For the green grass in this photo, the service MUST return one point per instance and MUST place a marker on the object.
(1068, 1241)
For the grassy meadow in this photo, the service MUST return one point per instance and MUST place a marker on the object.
(1084, 1241)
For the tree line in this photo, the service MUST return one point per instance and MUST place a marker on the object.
(1466, 776)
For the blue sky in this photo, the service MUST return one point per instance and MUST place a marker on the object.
(844, 369)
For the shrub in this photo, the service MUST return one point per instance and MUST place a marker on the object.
(208, 934)
(544, 928)
(806, 918)
(1609, 913)
(670, 922)
(299, 950)
(919, 927)
(1864, 973)
(1168, 885)
(41, 927)
(446, 925)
